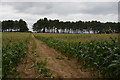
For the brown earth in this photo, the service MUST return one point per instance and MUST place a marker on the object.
(27, 68)
(61, 68)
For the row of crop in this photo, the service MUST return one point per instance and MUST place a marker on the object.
(79, 37)
(102, 56)
(12, 55)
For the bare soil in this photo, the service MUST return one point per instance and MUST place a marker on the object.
(61, 68)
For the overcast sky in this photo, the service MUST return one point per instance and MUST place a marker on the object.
(65, 11)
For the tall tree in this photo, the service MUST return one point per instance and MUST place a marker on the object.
(74, 27)
(22, 25)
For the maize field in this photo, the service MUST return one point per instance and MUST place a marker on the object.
(14, 49)
(99, 51)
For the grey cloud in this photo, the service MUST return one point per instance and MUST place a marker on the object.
(102, 8)
(119, 11)
(59, 0)
(65, 8)
(71, 11)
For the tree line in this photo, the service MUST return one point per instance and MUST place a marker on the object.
(14, 26)
(56, 26)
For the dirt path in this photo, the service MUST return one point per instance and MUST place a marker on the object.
(27, 68)
(62, 68)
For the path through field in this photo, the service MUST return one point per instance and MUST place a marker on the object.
(61, 68)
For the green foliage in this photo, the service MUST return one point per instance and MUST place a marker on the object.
(41, 68)
(65, 27)
(17, 26)
(12, 54)
(102, 56)
(60, 58)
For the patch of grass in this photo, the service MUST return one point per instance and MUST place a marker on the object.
(14, 73)
(60, 58)
(33, 46)
(41, 68)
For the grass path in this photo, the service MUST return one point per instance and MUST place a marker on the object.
(60, 66)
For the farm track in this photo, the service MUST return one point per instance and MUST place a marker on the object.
(61, 68)
(27, 68)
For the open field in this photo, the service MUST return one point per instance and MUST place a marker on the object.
(59, 40)
(60, 55)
